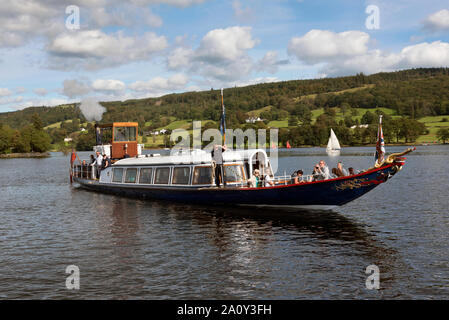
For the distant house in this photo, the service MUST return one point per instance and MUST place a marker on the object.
(163, 131)
(82, 129)
(360, 126)
(253, 120)
(68, 139)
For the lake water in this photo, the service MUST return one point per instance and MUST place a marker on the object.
(133, 249)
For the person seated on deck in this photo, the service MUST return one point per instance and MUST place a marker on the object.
(321, 171)
(339, 171)
(253, 182)
(334, 173)
(297, 177)
(352, 171)
(268, 181)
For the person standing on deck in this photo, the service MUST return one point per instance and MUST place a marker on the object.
(217, 157)
(98, 163)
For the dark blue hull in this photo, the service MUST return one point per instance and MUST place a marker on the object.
(334, 192)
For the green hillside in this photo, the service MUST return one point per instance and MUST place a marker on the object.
(414, 103)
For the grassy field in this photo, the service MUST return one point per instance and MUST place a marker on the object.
(433, 124)
(338, 116)
(257, 112)
(313, 96)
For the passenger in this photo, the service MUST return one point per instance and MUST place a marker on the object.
(321, 171)
(92, 160)
(84, 163)
(341, 169)
(352, 171)
(335, 173)
(217, 157)
(254, 181)
(106, 161)
(268, 182)
(98, 163)
(297, 177)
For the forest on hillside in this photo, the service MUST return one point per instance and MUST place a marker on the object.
(409, 94)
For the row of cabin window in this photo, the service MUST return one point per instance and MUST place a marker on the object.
(181, 175)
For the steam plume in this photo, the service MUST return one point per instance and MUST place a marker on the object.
(91, 109)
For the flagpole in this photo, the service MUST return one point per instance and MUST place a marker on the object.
(223, 118)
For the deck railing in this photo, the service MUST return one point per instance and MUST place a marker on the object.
(84, 171)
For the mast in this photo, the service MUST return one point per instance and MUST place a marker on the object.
(223, 119)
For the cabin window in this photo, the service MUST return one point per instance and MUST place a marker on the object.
(233, 173)
(202, 175)
(146, 175)
(124, 133)
(162, 176)
(181, 175)
(117, 175)
(130, 176)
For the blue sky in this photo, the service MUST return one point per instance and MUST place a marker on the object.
(148, 48)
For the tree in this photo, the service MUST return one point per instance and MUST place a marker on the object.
(6, 134)
(443, 134)
(292, 121)
(37, 122)
(85, 141)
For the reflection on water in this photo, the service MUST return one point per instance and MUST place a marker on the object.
(127, 248)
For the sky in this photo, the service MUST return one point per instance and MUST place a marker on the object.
(61, 51)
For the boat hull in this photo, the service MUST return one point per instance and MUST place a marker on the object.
(333, 192)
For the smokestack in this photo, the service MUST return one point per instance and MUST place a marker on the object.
(97, 134)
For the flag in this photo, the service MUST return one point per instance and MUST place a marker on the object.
(288, 145)
(380, 146)
(223, 120)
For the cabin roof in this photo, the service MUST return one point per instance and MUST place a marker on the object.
(189, 157)
(118, 124)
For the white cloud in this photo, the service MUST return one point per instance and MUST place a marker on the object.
(222, 55)
(95, 49)
(160, 85)
(4, 92)
(437, 21)
(241, 13)
(323, 45)
(10, 100)
(178, 3)
(40, 91)
(109, 86)
(180, 57)
(75, 88)
(225, 44)
(20, 90)
(343, 55)
(270, 62)
(435, 54)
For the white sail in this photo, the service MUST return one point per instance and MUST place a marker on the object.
(333, 143)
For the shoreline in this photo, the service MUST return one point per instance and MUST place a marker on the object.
(25, 155)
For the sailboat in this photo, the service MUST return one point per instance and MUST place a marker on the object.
(333, 146)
